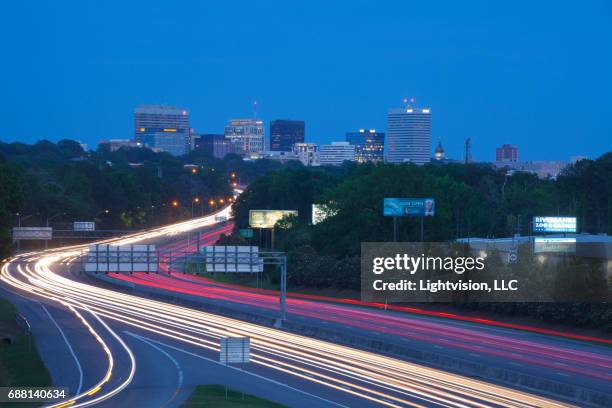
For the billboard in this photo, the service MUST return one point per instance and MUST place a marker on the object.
(267, 218)
(83, 226)
(554, 224)
(235, 350)
(320, 212)
(121, 258)
(230, 259)
(43, 233)
(554, 245)
(409, 207)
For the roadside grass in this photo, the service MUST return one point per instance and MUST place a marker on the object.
(19, 365)
(214, 396)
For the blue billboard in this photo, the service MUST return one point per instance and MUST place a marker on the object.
(554, 224)
(409, 207)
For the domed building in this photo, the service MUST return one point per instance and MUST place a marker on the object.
(439, 154)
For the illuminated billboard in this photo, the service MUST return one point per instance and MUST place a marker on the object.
(409, 207)
(554, 224)
(554, 245)
(268, 218)
(321, 212)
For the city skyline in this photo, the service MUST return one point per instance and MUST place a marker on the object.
(494, 75)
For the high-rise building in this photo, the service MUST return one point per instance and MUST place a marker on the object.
(408, 135)
(247, 134)
(336, 153)
(307, 153)
(216, 145)
(205, 142)
(506, 153)
(369, 144)
(163, 128)
(285, 133)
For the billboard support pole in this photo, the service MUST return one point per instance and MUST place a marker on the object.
(422, 218)
(394, 229)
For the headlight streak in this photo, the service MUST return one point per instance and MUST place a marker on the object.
(359, 373)
(94, 389)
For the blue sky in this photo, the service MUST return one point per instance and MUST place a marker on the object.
(532, 73)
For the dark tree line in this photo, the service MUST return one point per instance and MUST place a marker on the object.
(474, 200)
(126, 189)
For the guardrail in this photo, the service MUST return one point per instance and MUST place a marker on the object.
(24, 325)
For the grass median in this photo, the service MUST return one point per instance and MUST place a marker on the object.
(20, 364)
(214, 396)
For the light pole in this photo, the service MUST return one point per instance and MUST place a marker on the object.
(196, 200)
(47, 225)
(20, 218)
(53, 216)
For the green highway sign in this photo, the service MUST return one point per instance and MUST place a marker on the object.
(246, 233)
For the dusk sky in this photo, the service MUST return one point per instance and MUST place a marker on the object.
(535, 73)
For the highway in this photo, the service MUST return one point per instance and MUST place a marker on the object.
(132, 343)
(555, 358)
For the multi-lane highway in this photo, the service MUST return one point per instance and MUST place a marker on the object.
(126, 350)
(552, 358)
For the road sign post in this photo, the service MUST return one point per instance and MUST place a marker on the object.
(234, 350)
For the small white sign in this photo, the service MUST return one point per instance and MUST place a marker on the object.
(84, 226)
(235, 350)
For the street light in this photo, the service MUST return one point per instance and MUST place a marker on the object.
(20, 218)
(54, 216)
(196, 200)
(175, 203)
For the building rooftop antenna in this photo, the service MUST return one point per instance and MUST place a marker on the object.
(254, 109)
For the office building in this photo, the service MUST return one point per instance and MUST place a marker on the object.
(285, 133)
(408, 135)
(163, 128)
(369, 145)
(247, 134)
(336, 153)
(205, 142)
(282, 157)
(116, 144)
(307, 153)
(506, 153)
(215, 144)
